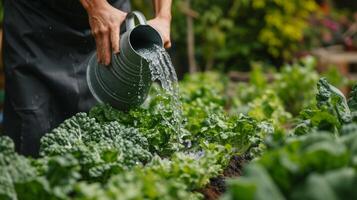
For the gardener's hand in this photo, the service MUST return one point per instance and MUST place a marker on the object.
(162, 24)
(105, 21)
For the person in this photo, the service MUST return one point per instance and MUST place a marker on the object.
(45, 47)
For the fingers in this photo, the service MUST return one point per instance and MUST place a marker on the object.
(105, 26)
(167, 41)
(98, 47)
(105, 48)
(163, 28)
(107, 41)
(102, 40)
(167, 44)
(115, 38)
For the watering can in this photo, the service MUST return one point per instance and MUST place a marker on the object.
(125, 83)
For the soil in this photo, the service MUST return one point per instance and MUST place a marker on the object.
(217, 185)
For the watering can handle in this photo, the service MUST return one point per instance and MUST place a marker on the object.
(130, 20)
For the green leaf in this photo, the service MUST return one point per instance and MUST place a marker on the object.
(256, 184)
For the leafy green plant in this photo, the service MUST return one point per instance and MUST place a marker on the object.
(329, 114)
(317, 165)
(269, 107)
(296, 85)
(352, 103)
(293, 87)
(101, 149)
(46, 178)
(173, 178)
(316, 160)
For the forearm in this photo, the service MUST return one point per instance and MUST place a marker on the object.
(162, 20)
(162, 8)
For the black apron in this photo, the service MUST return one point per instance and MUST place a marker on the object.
(46, 46)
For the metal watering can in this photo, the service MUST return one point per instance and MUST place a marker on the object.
(125, 83)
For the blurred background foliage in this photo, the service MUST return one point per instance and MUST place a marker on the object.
(234, 34)
(1, 10)
(230, 34)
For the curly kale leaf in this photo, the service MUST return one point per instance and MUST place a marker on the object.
(352, 102)
(15, 170)
(332, 99)
(101, 149)
(72, 133)
(152, 123)
(319, 119)
(61, 173)
(20, 178)
(7, 146)
(330, 113)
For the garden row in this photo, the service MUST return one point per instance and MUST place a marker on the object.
(299, 131)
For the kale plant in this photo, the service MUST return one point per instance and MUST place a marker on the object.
(101, 149)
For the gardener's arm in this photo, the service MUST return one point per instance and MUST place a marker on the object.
(105, 21)
(162, 20)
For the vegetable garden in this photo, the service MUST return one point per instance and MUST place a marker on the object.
(287, 133)
(292, 138)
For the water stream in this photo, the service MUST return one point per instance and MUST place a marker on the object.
(163, 70)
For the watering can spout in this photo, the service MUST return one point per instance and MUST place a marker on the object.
(125, 83)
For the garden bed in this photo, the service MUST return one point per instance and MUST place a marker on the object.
(235, 146)
(217, 186)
